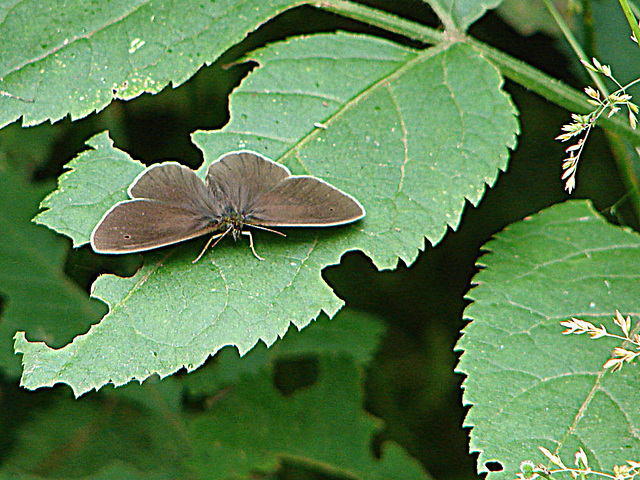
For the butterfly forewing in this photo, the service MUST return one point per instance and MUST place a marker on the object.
(138, 225)
(301, 201)
(173, 184)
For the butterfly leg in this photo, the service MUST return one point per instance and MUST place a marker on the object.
(218, 236)
(248, 233)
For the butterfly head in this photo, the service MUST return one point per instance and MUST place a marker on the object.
(233, 222)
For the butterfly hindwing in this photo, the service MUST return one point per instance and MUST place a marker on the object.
(238, 179)
(304, 201)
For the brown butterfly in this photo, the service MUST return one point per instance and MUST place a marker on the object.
(170, 203)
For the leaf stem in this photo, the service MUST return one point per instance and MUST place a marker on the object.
(381, 19)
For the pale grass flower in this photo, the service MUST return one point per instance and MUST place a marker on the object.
(582, 124)
(620, 355)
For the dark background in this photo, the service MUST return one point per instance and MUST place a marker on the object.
(411, 385)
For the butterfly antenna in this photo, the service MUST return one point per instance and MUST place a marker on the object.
(266, 229)
(219, 237)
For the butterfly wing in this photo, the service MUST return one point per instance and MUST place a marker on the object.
(237, 179)
(140, 224)
(173, 184)
(304, 201)
(169, 204)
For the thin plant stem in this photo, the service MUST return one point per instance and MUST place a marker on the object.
(588, 27)
(577, 48)
(631, 19)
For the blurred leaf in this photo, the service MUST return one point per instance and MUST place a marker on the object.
(461, 13)
(75, 58)
(95, 438)
(322, 426)
(528, 384)
(37, 295)
(246, 426)
(351, 333)
(26, 157)
(411, 134)
(530, 17)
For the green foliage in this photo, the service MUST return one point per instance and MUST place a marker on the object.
(460, 14)
(414, 132)
(212, 441)
(97, 179)
(529, 385)
(372, 96)
(40, 298)
(75, 60)
(229, 298)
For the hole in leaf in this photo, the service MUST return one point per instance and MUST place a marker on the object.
(377, 444)
(83, 266)
(494, 466)
(294, 374)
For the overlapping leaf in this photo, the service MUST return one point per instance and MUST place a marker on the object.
(336, 435)
(411, 134)
(74, 58)
(94, 181)
(528, 384)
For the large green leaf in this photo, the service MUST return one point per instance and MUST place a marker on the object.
(37, 295)
(411, 134)
(74, 58)
(528, 384)
(247, 425)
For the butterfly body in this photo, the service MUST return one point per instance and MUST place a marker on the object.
(170, 203)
